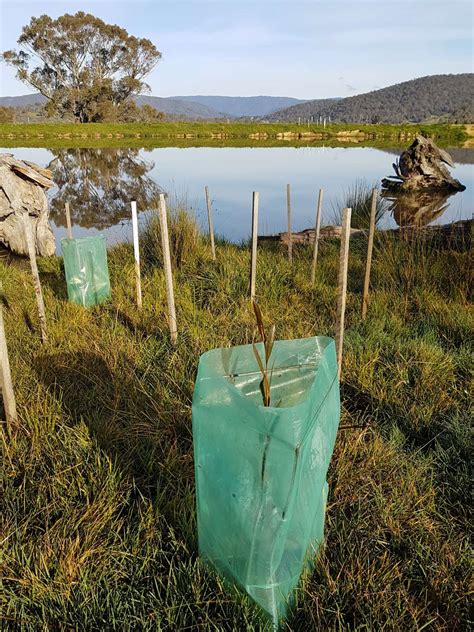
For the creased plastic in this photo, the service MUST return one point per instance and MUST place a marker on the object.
(261, 472)
(87, 273)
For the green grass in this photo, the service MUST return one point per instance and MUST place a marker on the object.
(203, 133)
(98, 521)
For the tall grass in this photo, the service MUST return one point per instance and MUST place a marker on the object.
(97, 486)
(358, 197)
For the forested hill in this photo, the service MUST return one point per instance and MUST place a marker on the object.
(437, 97)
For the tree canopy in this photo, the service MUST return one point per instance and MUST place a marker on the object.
(87, 69)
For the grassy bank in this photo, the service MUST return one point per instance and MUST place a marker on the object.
(98, 521)
(147, 134)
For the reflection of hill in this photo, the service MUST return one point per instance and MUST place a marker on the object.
(99, 185)
(461, 155)
(416, 209)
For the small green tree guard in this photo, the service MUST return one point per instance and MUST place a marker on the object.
(86, 269)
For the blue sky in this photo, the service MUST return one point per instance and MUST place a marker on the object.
(312, 49)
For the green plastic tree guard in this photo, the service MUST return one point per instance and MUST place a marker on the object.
(87, 273)
(261, 471)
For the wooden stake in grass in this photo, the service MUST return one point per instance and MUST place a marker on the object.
(34, 271)
(342, 284)
(365, 294)
(6, 384)
(290, 236)
(68, 221)
(209, 219)
(136, 250)
(316, 235)
(253, 259)
(165, 245)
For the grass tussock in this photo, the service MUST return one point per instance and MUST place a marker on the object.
(358, 197)
(98, 525)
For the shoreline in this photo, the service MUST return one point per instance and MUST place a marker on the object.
(217, 134)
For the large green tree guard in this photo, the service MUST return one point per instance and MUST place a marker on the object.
(261, 471)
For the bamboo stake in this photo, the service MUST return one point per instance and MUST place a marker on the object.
(165, 244)
(68, 221)
(253, 261)
(34, 271)
(6, 384)
(368, 265)
(342, 284)
(288, 207)
(136, 251)
(316, 235)
(209, 219)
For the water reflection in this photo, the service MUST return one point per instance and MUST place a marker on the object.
(417, 209)
(99, 185)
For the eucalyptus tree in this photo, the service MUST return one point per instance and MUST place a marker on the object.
(87, 69)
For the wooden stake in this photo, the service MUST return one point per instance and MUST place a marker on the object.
(342, 284)
(288, 207)
(209, 219)
(34, 271)
(253, 260)
(316, 235)
(136, 250)
(68, 221)
(165, 244)
(6, 384)
(368, 265)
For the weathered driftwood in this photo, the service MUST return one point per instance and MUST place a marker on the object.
(22, 191)
(422, 166)
(307, 236)
(462, 229)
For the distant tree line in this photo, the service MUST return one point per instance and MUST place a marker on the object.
(447, 98)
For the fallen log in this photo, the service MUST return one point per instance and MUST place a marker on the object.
(307, 236)
(460, 230)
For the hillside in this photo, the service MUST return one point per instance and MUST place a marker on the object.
(23, 101)
(439, 97)
(178, 108)
(189, 107)
(243, 106)
(173, 108)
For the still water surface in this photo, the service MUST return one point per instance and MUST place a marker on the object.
(99, 184)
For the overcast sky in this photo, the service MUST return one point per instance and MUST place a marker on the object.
(312, 49)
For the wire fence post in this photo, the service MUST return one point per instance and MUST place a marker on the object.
(253, 260)
(68, 221)
(209, 219)
(6, 384)
(290, 236)
(165, 245)
(136, 251)
(342, 284)
(316, 235)
(30, 242)
(370, 244)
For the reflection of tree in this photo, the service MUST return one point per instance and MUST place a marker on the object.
(417, 209)
(99, 185)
